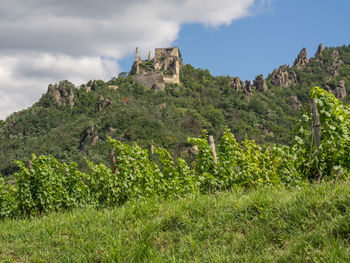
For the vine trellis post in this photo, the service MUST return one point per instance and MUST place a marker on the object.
(316, 129)
(212, 147)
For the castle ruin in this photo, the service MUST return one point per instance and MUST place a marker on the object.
(154, 72)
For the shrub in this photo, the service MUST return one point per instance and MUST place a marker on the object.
(48, 185)
(332, 158)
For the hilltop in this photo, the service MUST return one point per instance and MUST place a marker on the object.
(162, 102)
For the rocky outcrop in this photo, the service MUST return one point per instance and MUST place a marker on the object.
(113, 87)
(237, 84)
(334, 68)
(260, 84)
(247, 87)
(302, 59)
(340, 91)
(319, 51)
(283, 77)
(89, 136)
(62, 94)
(103, 103)
(162, 106)
(112, 130)
(335, 54)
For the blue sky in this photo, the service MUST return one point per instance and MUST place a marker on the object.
(257, 44)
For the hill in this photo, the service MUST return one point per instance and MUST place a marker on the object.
(307, 224)
(72, 123)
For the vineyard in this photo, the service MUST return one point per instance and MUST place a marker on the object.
(319, 152)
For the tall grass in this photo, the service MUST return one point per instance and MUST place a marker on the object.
(305, 224)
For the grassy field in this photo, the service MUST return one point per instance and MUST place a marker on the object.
(310, 224)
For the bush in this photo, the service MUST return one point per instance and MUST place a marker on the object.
(7, 202)
(332, 158)
(48, 185)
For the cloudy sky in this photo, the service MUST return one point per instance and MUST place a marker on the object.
(44, 41)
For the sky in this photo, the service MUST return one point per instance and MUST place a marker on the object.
(45, 41)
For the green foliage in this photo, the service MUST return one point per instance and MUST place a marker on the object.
(246, 164)
(104, 185)
(47, 185)
(7, 202)
(138, 176)
(332, 158)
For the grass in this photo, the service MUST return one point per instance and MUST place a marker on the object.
(310, 224)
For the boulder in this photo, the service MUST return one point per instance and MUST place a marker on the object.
(340, 91)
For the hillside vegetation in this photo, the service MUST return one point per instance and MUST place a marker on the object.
(307, 224)
(45, 185)
(76, 124)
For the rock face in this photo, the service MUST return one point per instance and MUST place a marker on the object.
(162, 106)
(302, 60)
(334, 68)
(335, 54)
(319, 50)
(340, 91)
(283, 77)
(103, 103)
(163, 68)
(113, 87)
(247, 87)
(237, 84)
(63, 95)
(89, 136)
(260, 83)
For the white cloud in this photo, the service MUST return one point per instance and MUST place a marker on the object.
(44, 41)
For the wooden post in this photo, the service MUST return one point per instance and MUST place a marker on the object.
(151, 149)
(316, 124)
(112, 158)
(212, 146)
(30, 164)
(316, 130)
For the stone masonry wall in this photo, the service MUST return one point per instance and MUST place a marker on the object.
(152, 80)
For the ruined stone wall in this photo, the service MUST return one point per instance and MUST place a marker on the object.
(175, 78)
(166, 52)
(152, 80)
(164, 68)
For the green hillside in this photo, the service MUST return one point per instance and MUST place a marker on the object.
(72, 123)
(307, 224)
